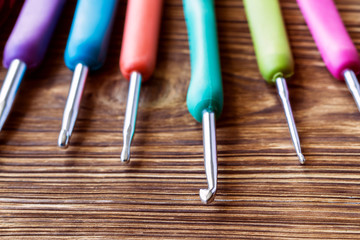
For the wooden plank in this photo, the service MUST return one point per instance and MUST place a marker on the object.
(86, 193)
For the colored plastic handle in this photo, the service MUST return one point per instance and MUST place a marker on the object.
(328, 30)
(31, 35)
(90, 33)
(205, 90)
(270, 40)
(140, 40)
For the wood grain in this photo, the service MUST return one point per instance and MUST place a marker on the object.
(86, 193)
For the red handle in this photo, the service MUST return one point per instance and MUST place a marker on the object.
(140, 40)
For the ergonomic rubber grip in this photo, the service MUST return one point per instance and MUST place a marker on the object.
(90, 33)
(270, 40)
(140, 39)
(32, 32)
(334, 43)
(205, 90)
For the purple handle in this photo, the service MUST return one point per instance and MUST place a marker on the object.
(32, 32)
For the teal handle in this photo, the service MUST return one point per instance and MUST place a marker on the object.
(271, 43)
(90, 33)
(205, 90)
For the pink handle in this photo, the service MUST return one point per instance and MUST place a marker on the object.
(336, 47)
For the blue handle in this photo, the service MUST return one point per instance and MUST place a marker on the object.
(90, 33)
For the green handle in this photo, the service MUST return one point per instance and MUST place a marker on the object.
(268, 33)
(205, 90)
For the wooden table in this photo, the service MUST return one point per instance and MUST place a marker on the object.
(263, 192)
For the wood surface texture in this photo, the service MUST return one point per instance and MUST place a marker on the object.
(263, 192)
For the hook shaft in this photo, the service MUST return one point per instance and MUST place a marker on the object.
(210, 156)
(72, 104)
(284, 96)
(353, 85)
(130, 115)
(9, 88)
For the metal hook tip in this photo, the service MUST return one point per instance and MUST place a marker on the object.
(63, 140)
(301, 158)
(125, 155)
(207, 195)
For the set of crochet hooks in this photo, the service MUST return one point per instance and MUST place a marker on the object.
(88, 43)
